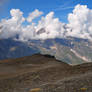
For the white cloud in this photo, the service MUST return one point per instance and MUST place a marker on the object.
(12, 26)
(54, 28)
(80, 25)
(36, 13)
(80, 21)
(17, 15)
(27, 33)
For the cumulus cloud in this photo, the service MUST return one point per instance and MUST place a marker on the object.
(54, 28)
(12, 26)
(80, 21)
(36, 13)
(27, 33)
(80, 25)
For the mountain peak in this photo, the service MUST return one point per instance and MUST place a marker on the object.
(40, 31)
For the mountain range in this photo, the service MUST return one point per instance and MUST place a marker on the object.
(70, 50)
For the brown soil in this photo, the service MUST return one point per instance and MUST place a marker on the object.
(44, 73)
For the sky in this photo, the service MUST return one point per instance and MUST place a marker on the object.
(60, 7)
(45, 19)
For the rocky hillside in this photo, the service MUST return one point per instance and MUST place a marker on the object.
(43, 73)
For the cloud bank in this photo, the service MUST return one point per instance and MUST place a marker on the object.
(80, 25)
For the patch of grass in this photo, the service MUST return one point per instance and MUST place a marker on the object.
(35, 90)
(83, 89)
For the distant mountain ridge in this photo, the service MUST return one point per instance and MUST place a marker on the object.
(70, 50)
(13, 49)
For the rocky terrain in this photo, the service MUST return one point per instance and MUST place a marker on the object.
(43, 73)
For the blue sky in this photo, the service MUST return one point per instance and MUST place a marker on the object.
(61, 7)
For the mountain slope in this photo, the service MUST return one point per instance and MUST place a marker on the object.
(44, 72)
(70, 50)
(13, 49)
